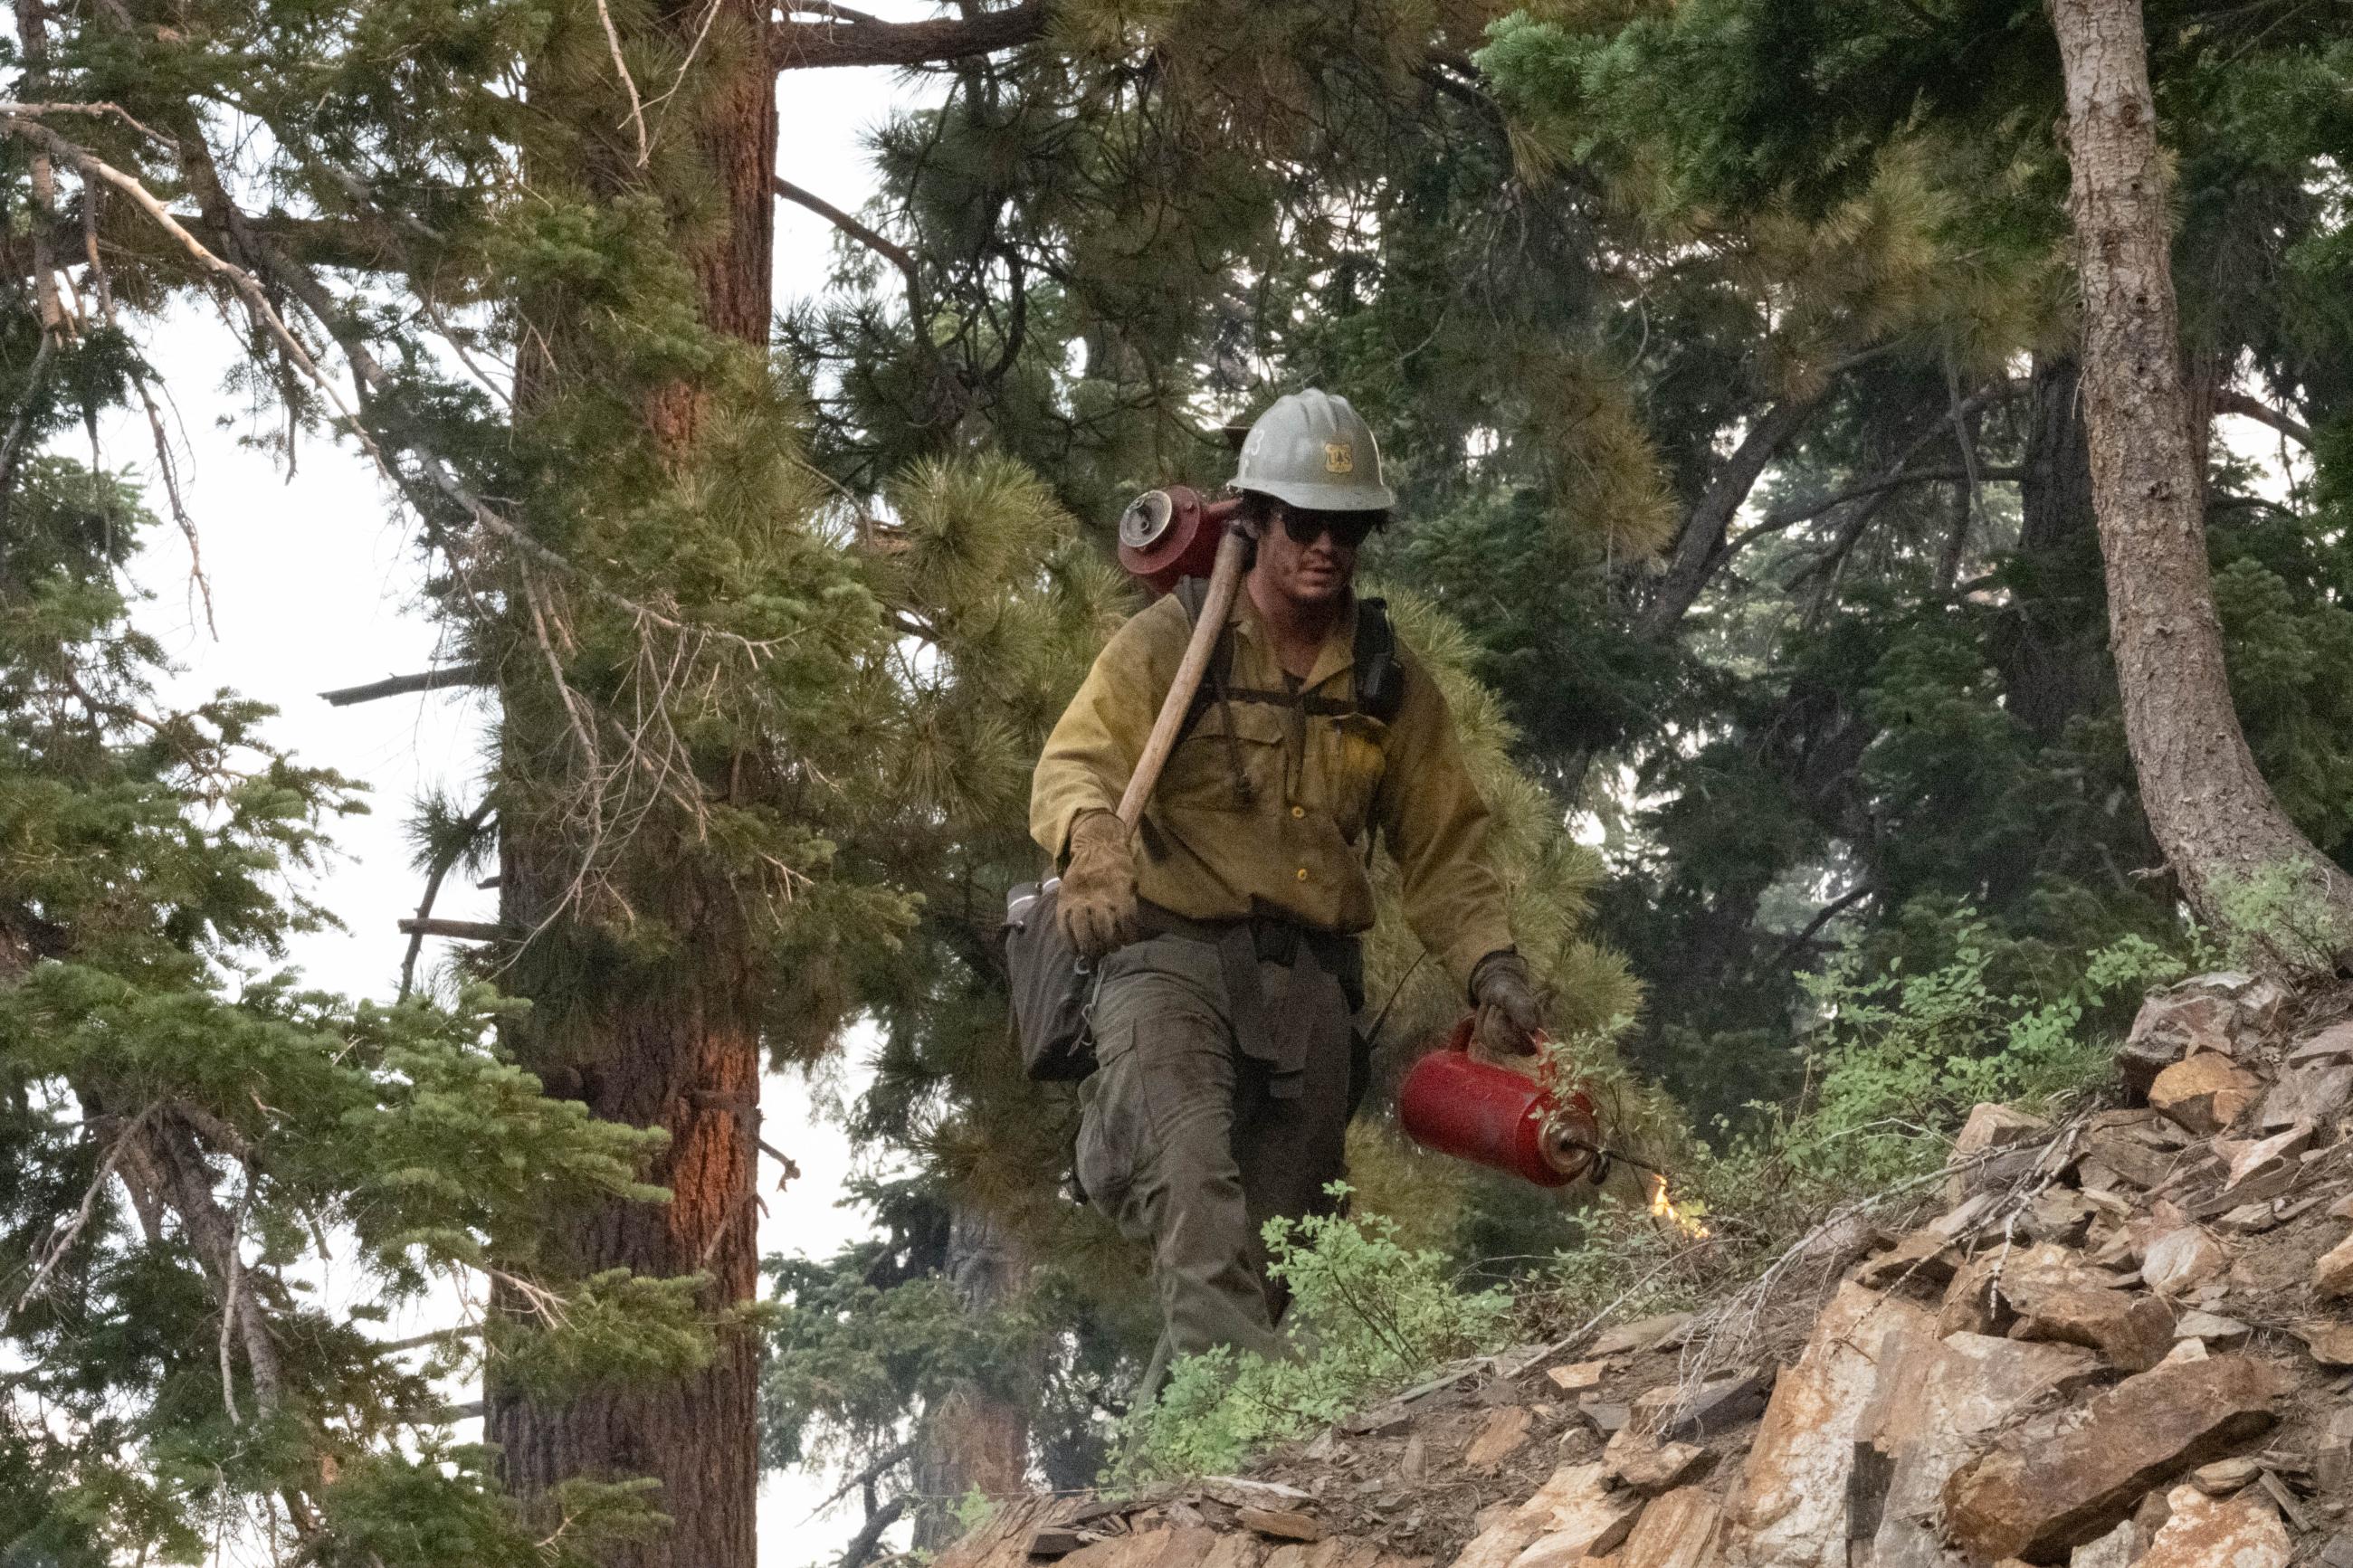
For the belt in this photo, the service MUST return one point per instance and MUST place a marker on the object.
(1277, 1034)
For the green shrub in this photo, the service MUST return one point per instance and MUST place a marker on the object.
(1366, 1316)
(2280, 919)
(1899, 1059)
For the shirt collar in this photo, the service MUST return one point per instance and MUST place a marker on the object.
(1339, 649)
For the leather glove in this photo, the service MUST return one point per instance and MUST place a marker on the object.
(1505, 995)
(1096, 906)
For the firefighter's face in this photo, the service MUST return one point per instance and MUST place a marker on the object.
(1310, 557)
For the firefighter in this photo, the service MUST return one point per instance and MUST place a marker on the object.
(1224, 934)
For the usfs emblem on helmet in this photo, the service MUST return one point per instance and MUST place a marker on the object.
(1339, 458)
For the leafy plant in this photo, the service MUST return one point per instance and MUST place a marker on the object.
(2278, 918)
(1367, 1315)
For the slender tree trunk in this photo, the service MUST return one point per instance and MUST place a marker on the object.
(672, 1043)
(2211, 811)
(2054, 668)
(975, 1438)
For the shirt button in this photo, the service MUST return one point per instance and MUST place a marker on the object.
(1303, 873)
(1298, 811)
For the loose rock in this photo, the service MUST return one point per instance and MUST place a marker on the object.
(1643, 1334)
(2180, 1260)
(1578, 1376)
(1792, 1498)
(1505, 1432)
(2332, 1273)
(1681, 1530)
(1935, 1406)
(1651, 1466)
(1284, 1524)
(1574, 1514)
(2055, 1484)
(2224, 1477)
(2133, 1331)
(2213, 1328)
(2204, 1093)
(2331, 1343)
(2332, 1044)
(2169, 1028)
(2241, 1532)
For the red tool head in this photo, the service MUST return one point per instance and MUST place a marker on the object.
(1170, 534)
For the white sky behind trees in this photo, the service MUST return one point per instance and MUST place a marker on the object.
(314, 582)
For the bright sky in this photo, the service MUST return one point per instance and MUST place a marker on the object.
(313, 582)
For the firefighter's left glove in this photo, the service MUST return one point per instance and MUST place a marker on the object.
(1096, 906)
(1505, 994)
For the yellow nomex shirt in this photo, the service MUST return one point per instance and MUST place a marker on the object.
(1316, 782)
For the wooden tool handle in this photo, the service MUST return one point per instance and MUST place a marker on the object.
(1225, 577)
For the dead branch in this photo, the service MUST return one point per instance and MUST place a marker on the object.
(441, 869)
(2255, 408)
(846, 37)
(628, 82)
(872, 240)
(460, 931)
(403, 685)
(62, 1242)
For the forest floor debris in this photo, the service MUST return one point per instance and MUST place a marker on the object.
(2120, 1343)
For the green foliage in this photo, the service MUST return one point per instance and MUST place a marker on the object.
(2280, 918)
(1899, 1059)
(188, 1132)
(1367, 1316)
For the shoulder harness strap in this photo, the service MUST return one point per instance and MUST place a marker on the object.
(1380, 678)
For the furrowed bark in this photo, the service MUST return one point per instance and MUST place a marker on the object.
(676, 1045)
(2213, 816)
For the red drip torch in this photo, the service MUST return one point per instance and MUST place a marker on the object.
(1477, 1110)
(1172, 534)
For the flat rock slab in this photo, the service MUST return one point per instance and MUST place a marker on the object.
(1286, 1524)
(1791, 1509)
(1725, 1400)
(1651, 1466)
(1578, 1376)
(1505, 1432)
(1684, 1529)
(2133, 1331)
(1938, 1404)
(2330, 1343)
(1577, 1512)
(2239, 1532)
(2055, 1484)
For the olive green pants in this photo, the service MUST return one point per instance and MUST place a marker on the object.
(1190, 1144)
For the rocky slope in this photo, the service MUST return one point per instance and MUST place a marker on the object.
(2113, 1341)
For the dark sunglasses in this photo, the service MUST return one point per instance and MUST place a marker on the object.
(1348, 529)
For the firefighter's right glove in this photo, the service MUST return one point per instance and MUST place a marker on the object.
(1096, 906)
(1505, 994)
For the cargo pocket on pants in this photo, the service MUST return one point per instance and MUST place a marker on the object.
(1111, 1123)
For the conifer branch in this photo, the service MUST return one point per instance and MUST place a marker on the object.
(896, 254)
(846, 37)
(2228, 401)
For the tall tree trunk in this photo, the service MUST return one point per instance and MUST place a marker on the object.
(975, 1438)
(2211, 811)
(672, 1043)
(2052, 666)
